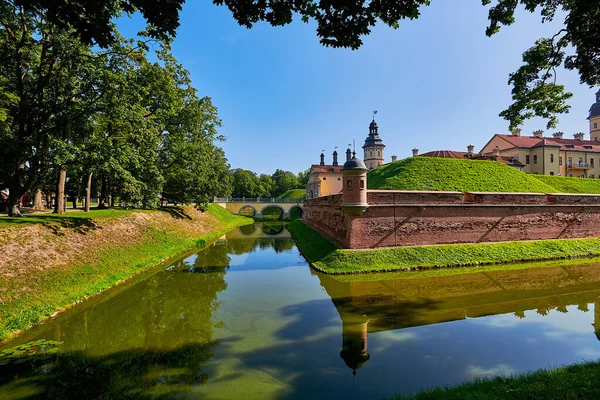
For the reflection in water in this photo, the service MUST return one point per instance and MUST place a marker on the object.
(246, 318)
(391, 304)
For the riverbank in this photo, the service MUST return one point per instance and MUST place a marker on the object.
(579, 381)
(50, 262)
(324, 256)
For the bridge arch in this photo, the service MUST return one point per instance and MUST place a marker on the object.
(244, 209)
(273, 229)
(283, 213)
(247, 230)
(296, 211)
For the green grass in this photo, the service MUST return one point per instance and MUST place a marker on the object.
(57, 288)
(447, 174)
(567, 184)
(580, 381)
(293, 194)
(326, 257)
(69, 219)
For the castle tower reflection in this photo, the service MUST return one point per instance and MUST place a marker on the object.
(390, 301)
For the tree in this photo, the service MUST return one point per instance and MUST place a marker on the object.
(284, 180)
(245, 183)
(92, 21)
(534, 89)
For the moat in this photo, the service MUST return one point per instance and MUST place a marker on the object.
(247, 318)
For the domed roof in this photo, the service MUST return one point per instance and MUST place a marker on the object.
(595, 108)
(354, 360)
(355, 164)
(373, 139)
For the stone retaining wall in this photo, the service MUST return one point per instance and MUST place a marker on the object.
(402, 218)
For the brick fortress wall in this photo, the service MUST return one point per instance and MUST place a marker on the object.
(403, 218)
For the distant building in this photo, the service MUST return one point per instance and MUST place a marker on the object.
(325, 179)
(537, 154)
(373, 147)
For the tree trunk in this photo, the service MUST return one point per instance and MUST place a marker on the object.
(48, 200)
(37, 200)
(102, 198)
(74, 201)
(14, 199)
(59, 207)
(88, 192)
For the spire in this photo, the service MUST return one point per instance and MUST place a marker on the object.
(335, 161)
(322, 159)
(348, 154)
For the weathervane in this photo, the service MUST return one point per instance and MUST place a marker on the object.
(374, 114)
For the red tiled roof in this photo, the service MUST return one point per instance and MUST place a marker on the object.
(564, 144)
(326, 168)
(445, 154)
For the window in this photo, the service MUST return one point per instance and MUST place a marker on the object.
(582, 176)
(370, 154)
(349, 184)
(595, 125)
(371, 165)
(580, 161)
(379, 154)
(551, 157)
(592, 176)
(592, 162)
(551, 173)
(569, 146)
(559, 160)
(587, 147)
(595, 138)
(535, 159)
(569, 162)
(362, 183)
(526, 159)
(324, 178)
(339, 179)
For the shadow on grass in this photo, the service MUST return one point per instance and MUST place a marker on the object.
(176, 212)
(55, 222)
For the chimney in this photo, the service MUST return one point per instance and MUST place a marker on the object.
(348, 154)
(538, 133)
(394, 158)
(579, 136)
(335, 162)
(496, 151)
(322, 159)
(557, 135)
(470, 149)
(517, 132)
(415, 152)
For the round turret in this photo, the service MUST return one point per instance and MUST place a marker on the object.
(354, 193)
(594, 118)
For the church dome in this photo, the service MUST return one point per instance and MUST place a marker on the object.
(355, 164)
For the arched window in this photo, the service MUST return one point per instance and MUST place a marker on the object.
(370, 154)
(379, 154)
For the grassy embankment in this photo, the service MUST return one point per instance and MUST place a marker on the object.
(292, 194)
(428, 173)
(580, 381)
(326, 257)
(567, 184)
(49, 262)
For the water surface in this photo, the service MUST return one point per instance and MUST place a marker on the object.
(247, 318)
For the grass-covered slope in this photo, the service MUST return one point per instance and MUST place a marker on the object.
(567, 184)
(429, 173)
(293, 194)
(580, 381)
(48, 263)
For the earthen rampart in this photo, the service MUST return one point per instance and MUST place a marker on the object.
(403, 218)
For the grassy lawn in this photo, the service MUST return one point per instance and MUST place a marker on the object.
(292, 194)
(567, 184)
(429, 173)
(69, 219)
(102, 266)
(326, 257)
(580, 381)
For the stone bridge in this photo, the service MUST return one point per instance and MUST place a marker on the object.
(258, 205)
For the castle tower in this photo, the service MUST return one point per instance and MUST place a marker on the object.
(354, 345)
(354, 189)
(594, 119)
(373, 147)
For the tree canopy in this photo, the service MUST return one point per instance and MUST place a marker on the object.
(535, 91)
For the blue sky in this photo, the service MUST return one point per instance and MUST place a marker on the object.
(437, 82)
